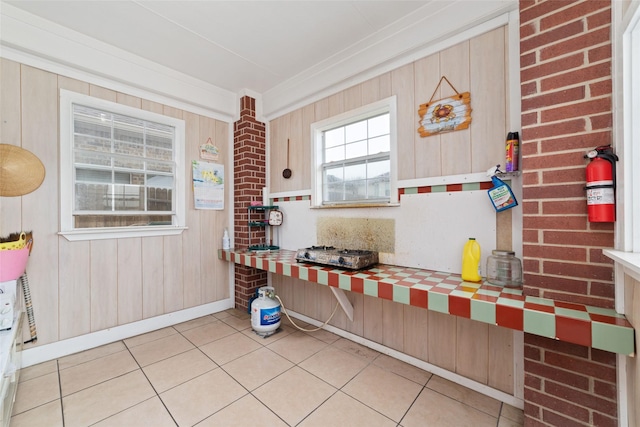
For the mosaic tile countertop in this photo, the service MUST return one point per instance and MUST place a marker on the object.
(600, 328)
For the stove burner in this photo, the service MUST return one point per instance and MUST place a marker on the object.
(352, 259)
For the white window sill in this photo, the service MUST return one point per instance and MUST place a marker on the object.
(356, 205)
(629, 260)
(120, 233)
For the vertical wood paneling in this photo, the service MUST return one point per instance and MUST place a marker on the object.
(131, 101)
(209, 237)
(299, 296)
(336, 104)
(372, 329)
(370, 91)
(191, 238)
(357, 325)
(473, 349)
(152, 276)
(103, 93)
(173, 274)
(278, 130)
(311, 299)
(221, 268)
(129, 280)
(340, 319)
(9, 134)
(152, 106)
(296, 151)
(308, 117)
(403, 88)
(442, 340)
(353, 98)
(488, 97)
(392, 325)
(501, 366)
(104, 284)
(456, 146)
(39, 124)
(427, 160)
(75, 289)
(321, 109)
(416, 331)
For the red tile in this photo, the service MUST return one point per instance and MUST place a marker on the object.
(440, 290)
(612, 320)
(486, 185)
(279, 268)
(295, 271)
(512, 296)
(510, 317)
(385, 290)
(357, 285)
(454, 187)
(334, 280)
(577, 331)
(460, 306)
(488, 298)
(539, 307)
(422, 190)
(313, 275)
(570, 306)
(418, 298)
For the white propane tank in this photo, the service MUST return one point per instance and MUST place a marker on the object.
(265, 312)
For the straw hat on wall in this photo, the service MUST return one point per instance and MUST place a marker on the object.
(21, 172)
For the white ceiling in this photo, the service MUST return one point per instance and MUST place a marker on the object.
(261, 46)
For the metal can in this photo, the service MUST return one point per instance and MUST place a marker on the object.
(512, 152)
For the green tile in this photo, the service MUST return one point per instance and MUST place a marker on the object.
(438, 302)
(488, 292)
(422, 286)
(540, 301)
(438, 188)
(540, 323)
(411, 190)
(604, 311)
(304, 274)
(323, 277)
(371, 287)
(510, 302)
(286, 269)
(574, 314)
(462, 294)
(344, 282)
(401, 294)
(483, 311)
(613, 338)
(471, 186)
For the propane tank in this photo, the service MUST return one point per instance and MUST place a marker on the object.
(600, 177)
(265, 312)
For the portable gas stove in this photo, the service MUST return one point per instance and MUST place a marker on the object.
(352, 259)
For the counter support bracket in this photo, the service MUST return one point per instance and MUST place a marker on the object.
(343, 301)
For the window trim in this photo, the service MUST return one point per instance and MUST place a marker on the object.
(387, 105)
(67, 99)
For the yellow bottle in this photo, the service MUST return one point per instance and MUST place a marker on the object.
(471, 261)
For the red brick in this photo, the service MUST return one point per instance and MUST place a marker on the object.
(546, 38)
(603, 121)
(579, 10)
(555, 252)
(530, 178)
(604, 357)
(576, 238)
(554, 192)
(529, 88)
(557, 346)
(531, 410)
(596, 255)
(601, 18)
(568, 127)
(604, 290)
(600, 420)
(565, 64)
(576, 174)
(553, 98)
(598, 54)
(558, 375)
(586, 399)
(578, 299)
(587, 271)
(576, 109)
(529, 119)
(576, 142)
(530, 236)
(532, 353)
(530, 148)
(551, 418)
(581, 75)
(551, 402)
(530, 208)
(575, 44)
(563, 284)
(564, 207)
(560, 222)
(539, 9)
(586, 367)
(606, 390)
(533, 382)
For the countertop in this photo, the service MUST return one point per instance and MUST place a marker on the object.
(595, 327)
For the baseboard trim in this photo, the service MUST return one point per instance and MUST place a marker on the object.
(46, 352)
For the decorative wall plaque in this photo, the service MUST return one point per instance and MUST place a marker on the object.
(208, 151)
(446, 114)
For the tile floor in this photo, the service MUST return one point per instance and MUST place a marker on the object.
(214, 371)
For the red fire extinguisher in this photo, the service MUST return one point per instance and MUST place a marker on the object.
(601, 184)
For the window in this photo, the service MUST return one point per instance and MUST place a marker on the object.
(121, 168)
(354, 156)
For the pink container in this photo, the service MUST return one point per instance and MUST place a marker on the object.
(13, 263)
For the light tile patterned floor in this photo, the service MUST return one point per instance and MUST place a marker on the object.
(214, 371)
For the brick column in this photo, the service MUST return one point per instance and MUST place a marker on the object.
(565, 70)
(249, 159)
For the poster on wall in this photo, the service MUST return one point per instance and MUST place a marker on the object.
(208, 185)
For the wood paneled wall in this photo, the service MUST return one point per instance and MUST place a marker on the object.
(478, 66)
(88, 286)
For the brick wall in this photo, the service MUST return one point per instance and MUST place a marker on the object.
(565, 61)
(249, 159)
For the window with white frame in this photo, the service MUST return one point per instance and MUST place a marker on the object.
(354, 155)
(122, 169)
